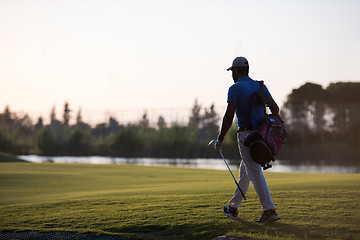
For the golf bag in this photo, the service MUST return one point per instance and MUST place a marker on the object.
(268, 138)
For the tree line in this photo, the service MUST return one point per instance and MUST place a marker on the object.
(18, 135)
(323, 123)
(323, 126)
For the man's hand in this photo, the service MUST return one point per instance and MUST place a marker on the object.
(218, 143)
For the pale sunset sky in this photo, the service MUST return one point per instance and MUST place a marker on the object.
(111, 55)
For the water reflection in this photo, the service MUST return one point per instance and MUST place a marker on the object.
(217, 164)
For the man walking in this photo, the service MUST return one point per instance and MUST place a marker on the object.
(240, 101)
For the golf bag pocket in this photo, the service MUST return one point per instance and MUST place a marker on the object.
(266, 141)
(259, 150)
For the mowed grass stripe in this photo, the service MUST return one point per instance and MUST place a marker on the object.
(172, 203)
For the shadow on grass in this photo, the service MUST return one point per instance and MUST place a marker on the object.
(37, 235)
(191, 231)
(281, 229)
(213, 229)
(194, 231)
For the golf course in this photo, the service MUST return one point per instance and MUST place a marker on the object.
(137, 202)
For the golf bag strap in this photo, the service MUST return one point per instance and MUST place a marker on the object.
(255, 96)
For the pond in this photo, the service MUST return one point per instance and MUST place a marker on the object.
(217, 164)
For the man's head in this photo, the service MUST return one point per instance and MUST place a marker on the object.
(239, 68)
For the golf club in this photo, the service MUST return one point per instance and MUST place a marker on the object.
(211, 142)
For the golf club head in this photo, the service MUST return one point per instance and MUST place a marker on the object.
(211, 142)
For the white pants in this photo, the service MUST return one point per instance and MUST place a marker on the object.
(251, 171)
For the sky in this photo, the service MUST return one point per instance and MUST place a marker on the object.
(121, 56)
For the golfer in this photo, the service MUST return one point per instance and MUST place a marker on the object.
(240, 101)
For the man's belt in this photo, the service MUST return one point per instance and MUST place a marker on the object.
(241, 129)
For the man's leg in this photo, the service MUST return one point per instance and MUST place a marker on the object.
(244, 183)
(256, 176)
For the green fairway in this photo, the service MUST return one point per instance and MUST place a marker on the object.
(172, 203)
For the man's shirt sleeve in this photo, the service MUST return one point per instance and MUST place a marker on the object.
(231, 95)
(267, 93)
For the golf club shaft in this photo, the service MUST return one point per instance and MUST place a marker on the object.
(237, 184)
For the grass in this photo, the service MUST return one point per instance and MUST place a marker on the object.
(138, 202)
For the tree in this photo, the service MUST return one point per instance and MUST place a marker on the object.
(79, 142)
(7, 118)
(66, 114)
(54, 123)
(209, 124)
(6, 143)
(79, 117)
(80, 124)
(144, 122)
(129, 142)
(343, 92)
(303, 104)
(53, 116)
(161, 122)
(46, 142)
(343, 99)
(24, 125)
(113, 124)
(195, 118)
(39, 124)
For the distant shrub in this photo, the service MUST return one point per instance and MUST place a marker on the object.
(46, 142)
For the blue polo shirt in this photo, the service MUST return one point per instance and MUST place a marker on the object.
(241, 93)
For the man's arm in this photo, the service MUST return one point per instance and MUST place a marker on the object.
(227, 120)
(274, 108)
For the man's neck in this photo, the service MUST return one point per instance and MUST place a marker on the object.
(241, 77)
